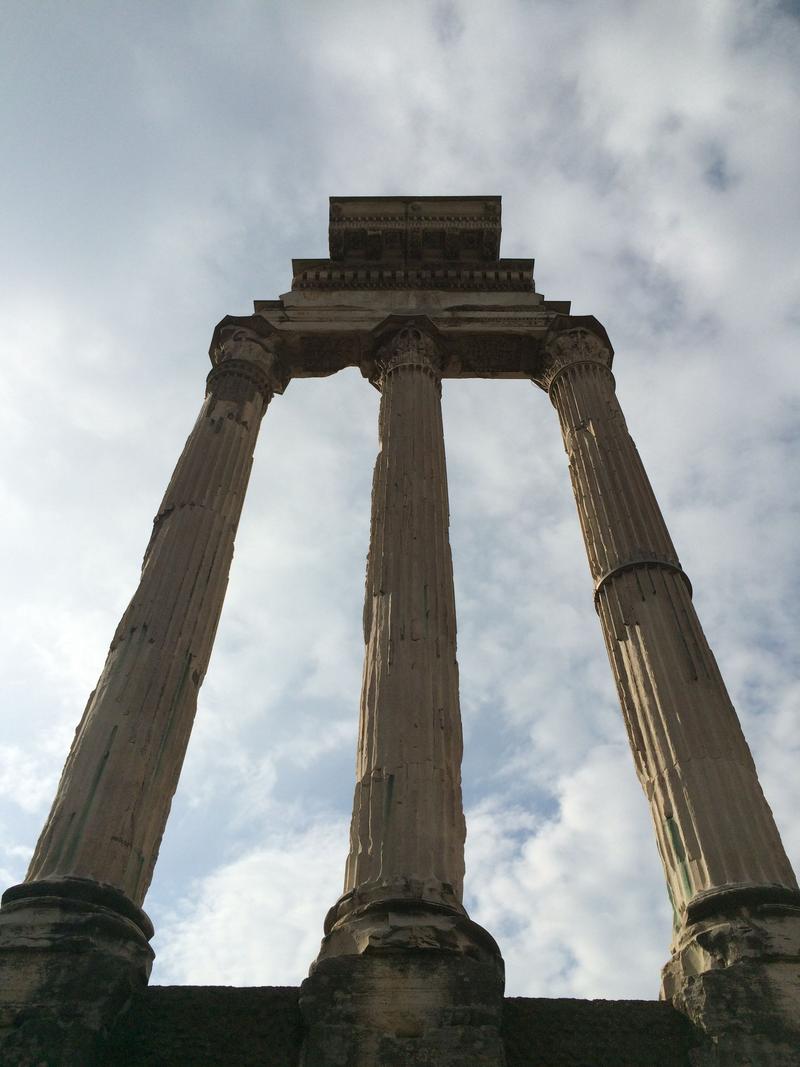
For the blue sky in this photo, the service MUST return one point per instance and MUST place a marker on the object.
(163, 164)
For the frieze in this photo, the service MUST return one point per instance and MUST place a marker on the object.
(473, 346)
(491, 355)
(474, 354)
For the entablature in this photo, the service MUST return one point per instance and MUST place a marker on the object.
(477, 342)
(423, 257)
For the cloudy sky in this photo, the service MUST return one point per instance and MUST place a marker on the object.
(162, 165)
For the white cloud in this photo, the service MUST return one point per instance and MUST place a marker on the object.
(570, 898)
(257, 920)
(21, 779)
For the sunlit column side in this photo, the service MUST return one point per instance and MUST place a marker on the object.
(408, 822)
(116, 789)
(714, 827)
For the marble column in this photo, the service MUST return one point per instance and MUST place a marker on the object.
(101, 839)
(407, 832)
(400, 953)
(116, 789)
(715, 832)
(408, 823)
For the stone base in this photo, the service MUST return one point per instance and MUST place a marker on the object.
(408, 1008)
(404, 978)
(404, 915)
(72, 955)
(735, 972)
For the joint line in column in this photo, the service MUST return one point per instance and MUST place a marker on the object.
(579, 363)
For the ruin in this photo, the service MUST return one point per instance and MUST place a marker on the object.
(414, 294)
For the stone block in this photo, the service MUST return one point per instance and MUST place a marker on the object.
(403, 1009)
(71, 960)
(736, 975)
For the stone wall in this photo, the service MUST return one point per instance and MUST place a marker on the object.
(174, 1026)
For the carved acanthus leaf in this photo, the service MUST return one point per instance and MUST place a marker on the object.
(569, 347)
(410, 346)
(245, 354)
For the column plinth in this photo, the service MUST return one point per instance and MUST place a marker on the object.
(73, 938)
(716, 835)
(399, 948)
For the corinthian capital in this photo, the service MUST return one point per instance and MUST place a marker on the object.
(246, 350)
(570, 342)
(406, 342)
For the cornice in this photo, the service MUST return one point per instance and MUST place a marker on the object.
(514, 275)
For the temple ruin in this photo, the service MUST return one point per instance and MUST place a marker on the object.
(416, 295)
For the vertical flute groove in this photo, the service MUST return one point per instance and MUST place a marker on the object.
(713, 825)
(117, 785)
(407, 817)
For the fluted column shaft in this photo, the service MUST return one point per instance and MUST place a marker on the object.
(403, 974)
(408, 822)
(116, 789)
(713, 825)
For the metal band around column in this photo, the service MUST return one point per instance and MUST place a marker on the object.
(631, 564)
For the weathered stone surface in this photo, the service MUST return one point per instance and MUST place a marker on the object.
(71, 951)
(414, 243)
(736, 973)
(431, 256)
(713, 824)
(392, 231)
(173, 1026)
(116, 789)
(72, 956)
(410, 1008)
(408, 821)
(403, 975)
(404, 913)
